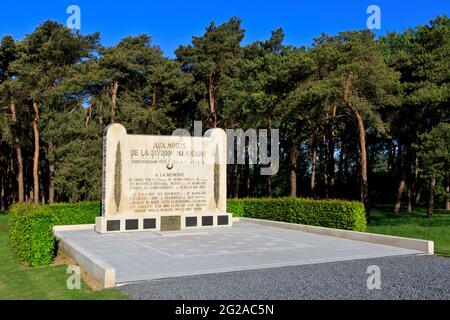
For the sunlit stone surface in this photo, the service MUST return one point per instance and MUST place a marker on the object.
(148, 177)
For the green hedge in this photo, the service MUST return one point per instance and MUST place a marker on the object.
(30, 227)
(236, 207)
(340, 214)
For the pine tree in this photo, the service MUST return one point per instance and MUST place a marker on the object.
(41, 66)
(211, 57)
(434, 155)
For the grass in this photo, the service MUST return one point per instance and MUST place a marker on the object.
(414, 225)
(19, 282)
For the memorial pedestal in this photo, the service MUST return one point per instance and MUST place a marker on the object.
(163, 183)
(161, 223)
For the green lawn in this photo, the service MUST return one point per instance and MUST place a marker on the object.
(414, 225)
(19, 282)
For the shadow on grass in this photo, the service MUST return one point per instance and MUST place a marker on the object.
(383, 217)
(414, 225)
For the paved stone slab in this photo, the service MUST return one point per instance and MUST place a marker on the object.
(245, 246)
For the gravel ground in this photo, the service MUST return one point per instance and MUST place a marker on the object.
(402, 277)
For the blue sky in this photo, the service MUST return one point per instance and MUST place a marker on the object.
(174, 22)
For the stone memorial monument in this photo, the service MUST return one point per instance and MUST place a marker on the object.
(163, 183)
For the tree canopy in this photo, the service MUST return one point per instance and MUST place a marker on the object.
(360, 117)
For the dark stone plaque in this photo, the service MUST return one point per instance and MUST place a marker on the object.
(131, 224)
(150, 223)
(207, 221)
(113, 225)
(191, 221)
(170, 223)
(222, 220)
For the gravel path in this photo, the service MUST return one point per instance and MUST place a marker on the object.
(402, 277)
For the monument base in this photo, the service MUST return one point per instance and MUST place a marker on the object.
(155, 222)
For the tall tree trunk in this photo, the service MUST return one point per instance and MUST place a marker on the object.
(415, 193)
(212, 105)
(18, 152)
(248, 182)
(398, 197)
(36, 152)
(269, 177)
(447, 193)
(346, 166)
(237, 181)
(397, 167)
(114, 90)
(410, 199)
(154, 96)
(51, 174)
(10, 196)
(401, 185)
(31, 196)
(269, 186)
(2, 193)
(42, 188)
(248, 173)
(247, 179)
(324, 162)
(342, 160)
(413, 178)
(331, 152)
(293, 164)
(362, 147)
(88, 115)
(358, 177)
(418, 195)
(313, 166)
(431, 198)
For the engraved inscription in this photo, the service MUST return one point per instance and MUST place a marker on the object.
(152, 182)
(177, 178)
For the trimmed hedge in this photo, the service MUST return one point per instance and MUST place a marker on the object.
(30, 227)
(236, 207)
(339, 214)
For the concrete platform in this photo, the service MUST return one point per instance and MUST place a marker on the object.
(244, 246)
